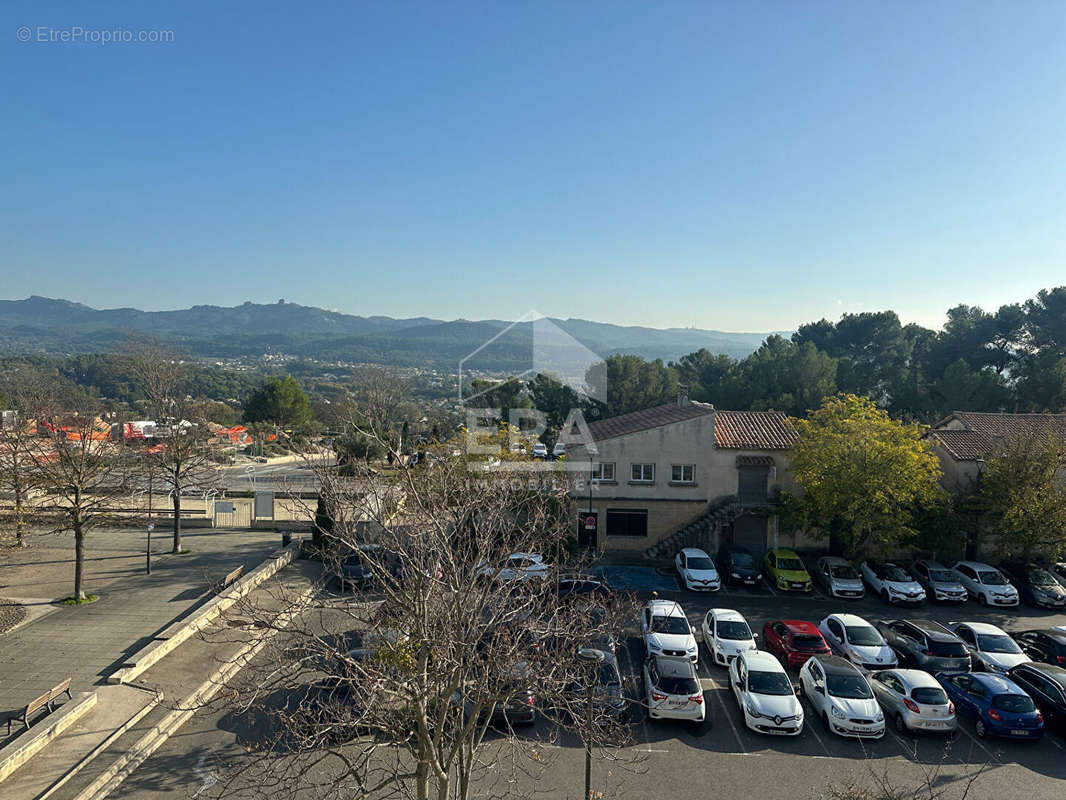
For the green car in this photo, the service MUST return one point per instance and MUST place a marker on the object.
(785, 571)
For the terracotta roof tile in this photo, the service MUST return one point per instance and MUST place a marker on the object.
(979, 432)
(647, 418)
(753, 430)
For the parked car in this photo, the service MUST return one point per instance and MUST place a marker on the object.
(697, 571)
(578, 586)
(765, 695)
(726, 634)
(365, 567)
(516, 567)
(666, 631)
(891, 583)
(940, 583)
(1047, 645)
(997, 705)
(608, 697)
(739, 566)
(914, 700)
(1035, 584)
(839, 577)
(672, 689)
(858, 641)
(793, 641)
(1046, 684)
(559, 450)
(926, 645)
(786, 571)
(991, 650)
(842, 697)
(986, 584)
(540, 450)
(1059, 570)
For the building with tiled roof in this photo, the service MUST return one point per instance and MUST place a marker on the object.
(965, 440)
(658, 469)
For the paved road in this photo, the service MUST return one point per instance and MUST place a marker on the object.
(668, 761)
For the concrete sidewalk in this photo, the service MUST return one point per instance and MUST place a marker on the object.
(88, 642)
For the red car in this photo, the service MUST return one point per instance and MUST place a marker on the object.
(793, 641)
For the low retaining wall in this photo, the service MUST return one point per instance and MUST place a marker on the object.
(178, 632)
(32, 741)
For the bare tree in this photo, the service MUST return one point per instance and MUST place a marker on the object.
(180, 456)
(79, 469)
(416, 688)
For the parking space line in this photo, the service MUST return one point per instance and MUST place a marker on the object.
(1054, 741)
(638, 691)
(725, 710)
(978, 742)
(810, 720)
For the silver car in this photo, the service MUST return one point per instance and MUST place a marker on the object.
(913, 700)
(940, 583)
(839, 577)
(926, 645)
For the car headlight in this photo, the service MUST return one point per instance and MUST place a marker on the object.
(751, 710)
(880, 717)
(782, 582)
(654, 647)
(836, 712)
(735, 574)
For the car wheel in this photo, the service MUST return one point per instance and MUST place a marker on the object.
(901, 726)
(884, 597)
(825, 721)
(982, 599)
(980, 729)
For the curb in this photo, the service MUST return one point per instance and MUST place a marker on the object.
(138, 752)
(178, 632)
(32, 741)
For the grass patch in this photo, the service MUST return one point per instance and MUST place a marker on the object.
(74, 601)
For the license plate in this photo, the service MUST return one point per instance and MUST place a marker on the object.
(1019, 733)
(935, 723)
(676, 704)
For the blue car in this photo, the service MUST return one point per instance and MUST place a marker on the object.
(997, 706)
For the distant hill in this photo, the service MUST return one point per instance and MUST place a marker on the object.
(44, 325)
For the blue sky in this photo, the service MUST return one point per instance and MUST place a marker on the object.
(731, 165)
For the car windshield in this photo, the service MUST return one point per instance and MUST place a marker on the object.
(669, 625)
(1041, 577)
(893, 573)
(845, 572)
(741, 559)
(848, 687)
(863, 635)
(996, 643)
(947, 649)
(700, 563)
(992, 578)
(929, 696)
(609, 675)
(806, 641)
(675, 684)
(1014, 703)
(942, 576)
(787, 562)
(776, 683)
(733, 630)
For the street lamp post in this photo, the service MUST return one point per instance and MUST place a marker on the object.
(148, 551)
(592, 658)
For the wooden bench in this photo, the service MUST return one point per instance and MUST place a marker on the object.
(46, 700)
(231, 576)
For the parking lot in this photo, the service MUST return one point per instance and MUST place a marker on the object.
(668, 759)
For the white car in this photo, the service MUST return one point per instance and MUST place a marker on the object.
(839, 577)
(516, 567)
(726, 635)
(914, 700)
(697, 570)
(540, 450)
(891, 582)
(559, 450)
(672, 689)
(986, 584)
(858, 641)
(765, 694)
(842, 697)
(666, 631)
(991, 649)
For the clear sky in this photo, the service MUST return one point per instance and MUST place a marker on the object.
(734, 165)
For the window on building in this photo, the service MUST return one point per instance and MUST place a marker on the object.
(603, 471)
(752, 485)
(627, 522)
(642, 473)
(683, 473)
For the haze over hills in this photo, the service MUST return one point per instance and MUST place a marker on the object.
(50, 326)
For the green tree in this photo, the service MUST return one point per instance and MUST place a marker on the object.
(707, 375)
(1023, 490)
(783, 376)
(279, 401)
(634, 383)
(862, 475)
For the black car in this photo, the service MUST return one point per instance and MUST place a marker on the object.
(1046, 684)
(1047, 645)
(362, 568)
(926, 645)
(738, 566)
(1036, 585)
(591, 588)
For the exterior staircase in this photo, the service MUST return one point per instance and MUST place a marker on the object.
(703, 532)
